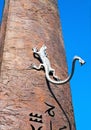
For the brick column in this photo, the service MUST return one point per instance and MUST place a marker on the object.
(27, 100)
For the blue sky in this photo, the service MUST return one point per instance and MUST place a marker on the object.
(1, 8)
(76, 29)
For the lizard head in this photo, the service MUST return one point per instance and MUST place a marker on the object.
(44, 47)
(43, 50)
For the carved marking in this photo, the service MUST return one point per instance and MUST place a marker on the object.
(35, 118)
(50, 125)
(33, 128)
(59, 128)
(50, 110)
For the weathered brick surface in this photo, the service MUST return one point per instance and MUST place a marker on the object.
(33, 23)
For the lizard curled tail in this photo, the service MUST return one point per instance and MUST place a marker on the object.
(60, 82)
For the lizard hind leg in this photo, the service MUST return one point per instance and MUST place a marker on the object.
(54, 75)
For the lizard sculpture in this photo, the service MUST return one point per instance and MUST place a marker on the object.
(45, 64)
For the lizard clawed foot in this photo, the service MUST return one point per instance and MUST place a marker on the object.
(56, 78)
(32, 66)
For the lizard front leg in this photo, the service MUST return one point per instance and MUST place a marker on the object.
(33, 66)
